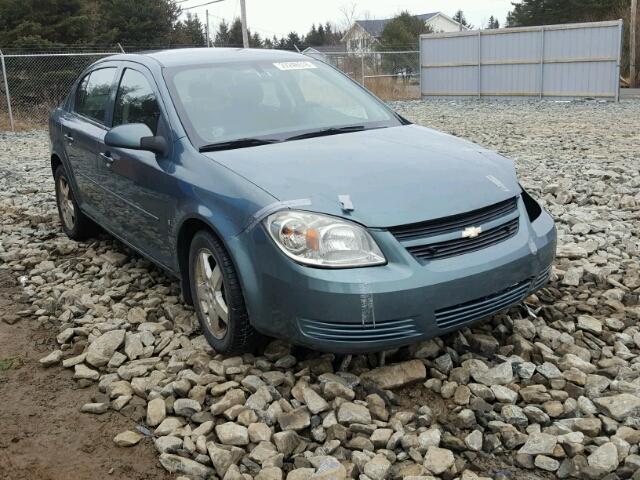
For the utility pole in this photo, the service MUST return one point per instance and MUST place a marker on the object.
(243, 13)
(632, 36)
(207, 29)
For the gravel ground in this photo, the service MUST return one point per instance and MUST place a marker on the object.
(552, 390)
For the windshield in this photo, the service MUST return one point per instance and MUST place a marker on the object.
(271, 100)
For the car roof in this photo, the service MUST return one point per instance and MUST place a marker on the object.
(196, 56)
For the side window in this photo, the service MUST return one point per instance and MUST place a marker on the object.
(136, 102)
(93, 92)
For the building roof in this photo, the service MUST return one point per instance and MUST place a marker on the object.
(375, 27)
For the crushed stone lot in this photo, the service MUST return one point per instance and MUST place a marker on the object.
(551, 390)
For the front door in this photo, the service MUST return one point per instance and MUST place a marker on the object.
(139, 182)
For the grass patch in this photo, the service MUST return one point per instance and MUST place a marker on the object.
(9, 363)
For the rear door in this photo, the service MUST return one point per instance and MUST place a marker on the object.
(140, 184)
(83, 126)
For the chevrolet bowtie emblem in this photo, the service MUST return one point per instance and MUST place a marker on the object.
(471, 232)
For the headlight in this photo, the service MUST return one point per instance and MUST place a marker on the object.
(322, 240)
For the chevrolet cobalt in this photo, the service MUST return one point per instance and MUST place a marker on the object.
(291, 202)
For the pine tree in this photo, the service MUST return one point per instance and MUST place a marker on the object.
(222, 35)
(190, 31)
(548, 12)
(493, 23)
(460, 18)
(143, 22)
(44, 22)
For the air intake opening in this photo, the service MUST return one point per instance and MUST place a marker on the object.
(534, 210)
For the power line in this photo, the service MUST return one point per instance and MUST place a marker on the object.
(202, 4)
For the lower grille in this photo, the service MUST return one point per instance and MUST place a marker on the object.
(542, 279)
(460, 246)
(481, 308)
(357, 332)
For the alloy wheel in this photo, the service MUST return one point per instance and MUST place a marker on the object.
(67, 208)
(210, 293)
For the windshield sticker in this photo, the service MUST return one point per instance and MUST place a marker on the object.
(294, 65)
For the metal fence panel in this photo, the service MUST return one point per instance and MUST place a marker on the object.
(576, 60)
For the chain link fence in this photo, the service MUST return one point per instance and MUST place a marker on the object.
(36, 83)
(32, 84)
(389, 75)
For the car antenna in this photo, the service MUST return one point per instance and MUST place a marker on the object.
(296, 47)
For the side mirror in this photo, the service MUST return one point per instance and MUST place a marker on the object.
(136, 136)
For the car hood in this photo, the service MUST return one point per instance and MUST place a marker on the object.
(393, 176)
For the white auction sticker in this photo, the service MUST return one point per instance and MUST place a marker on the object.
(294, 65)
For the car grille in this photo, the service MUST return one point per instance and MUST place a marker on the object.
(481, 308)
(432, 248)
(357, 332)
(456, 222)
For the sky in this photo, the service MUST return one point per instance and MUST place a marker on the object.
(279, 17)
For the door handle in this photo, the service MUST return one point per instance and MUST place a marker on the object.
(68, 137)
(108, 159)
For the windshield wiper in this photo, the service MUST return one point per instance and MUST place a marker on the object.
(327, 131)
(239, 143)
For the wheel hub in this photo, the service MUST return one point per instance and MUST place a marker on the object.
(211, 295)
(67, 209)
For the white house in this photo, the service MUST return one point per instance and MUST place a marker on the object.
(364, 34)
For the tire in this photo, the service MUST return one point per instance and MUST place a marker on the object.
(212, 268)
(75, 224)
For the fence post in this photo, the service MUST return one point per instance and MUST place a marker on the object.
(362, 66)
(6, 91)
(479, 63)
(541, 62)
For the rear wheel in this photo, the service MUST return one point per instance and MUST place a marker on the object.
(75, 224)
(218, 298)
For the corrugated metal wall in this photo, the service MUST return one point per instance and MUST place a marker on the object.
(575, 60)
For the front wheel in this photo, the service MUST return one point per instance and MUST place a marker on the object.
(75, 224)
(218, 298)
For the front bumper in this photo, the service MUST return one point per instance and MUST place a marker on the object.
(377, 308)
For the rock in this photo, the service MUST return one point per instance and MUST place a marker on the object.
(604, 458)
(259, 432)
(286, 442)
(185, 466)
(429, 438)
(377, 468)
(590, 324)
(221, 459)
(297, 419)
(52, 359)
(128, 439)
(619, 406)
(396, 375)
(546, 463)
(473, 441)
(301, 474)
(315, 403)
(168, 444)
(499, 375)
(232, 434)
(156, 412)
(82, 372)
(269, 473)
(539, 444)
(349, 413)
(103, 347)
(186, 407)
(438, 460)
(328, 468)
(95, 408)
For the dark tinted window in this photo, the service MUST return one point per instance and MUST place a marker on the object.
(93, 92)
(136, 102)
